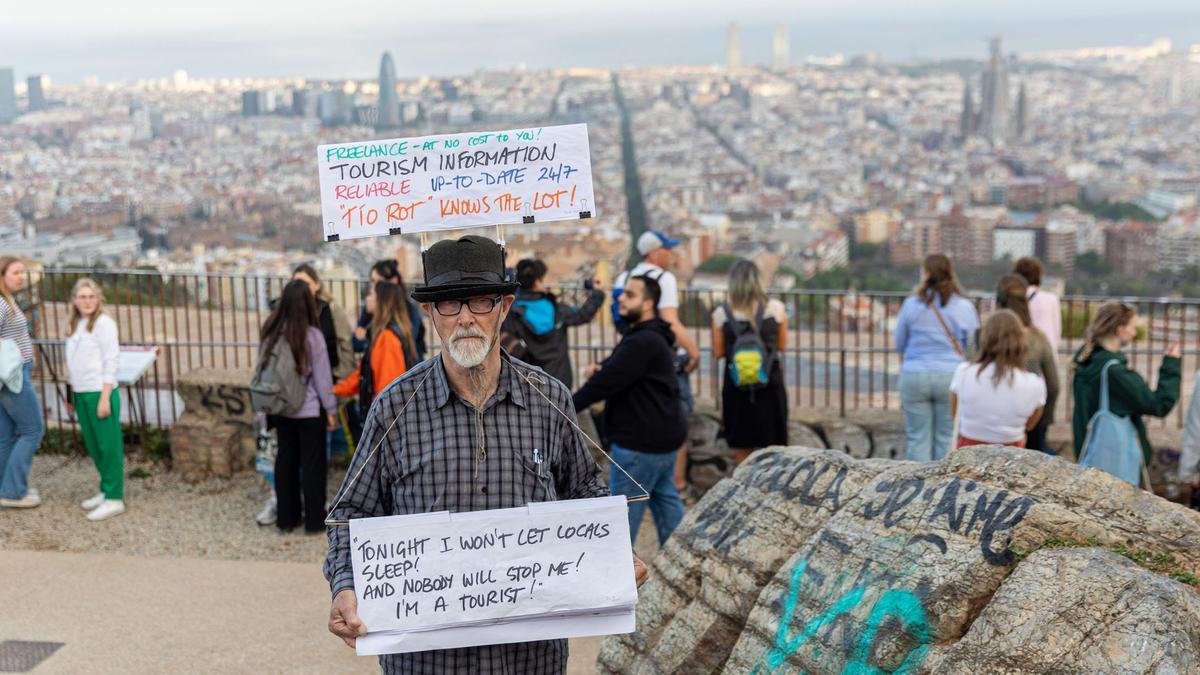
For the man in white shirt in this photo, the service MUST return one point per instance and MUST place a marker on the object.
(658, 257)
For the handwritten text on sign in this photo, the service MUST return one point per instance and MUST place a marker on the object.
(439, 570)
(457, 181)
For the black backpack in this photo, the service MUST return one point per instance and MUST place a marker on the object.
(750, 360)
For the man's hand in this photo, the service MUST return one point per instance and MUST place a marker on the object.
(343, 617)
(332, 423)
(1174, 350)
(597, 284)
(360, 333)
(591, 370)
(640, 573)
(693, 362)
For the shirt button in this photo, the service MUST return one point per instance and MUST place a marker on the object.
(483, 489)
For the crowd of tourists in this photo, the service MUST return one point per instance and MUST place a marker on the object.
(963, 382)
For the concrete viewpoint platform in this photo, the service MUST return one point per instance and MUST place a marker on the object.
(121, 614)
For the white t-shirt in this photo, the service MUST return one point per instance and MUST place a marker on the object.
(666, 281)
(996, 413)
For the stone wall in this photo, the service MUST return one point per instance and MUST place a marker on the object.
(215, 436)
(880, 434)
(810, 560)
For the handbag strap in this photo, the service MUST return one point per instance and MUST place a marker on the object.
(1104, 385)
(954, 341)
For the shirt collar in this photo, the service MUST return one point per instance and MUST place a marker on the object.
(510, 385)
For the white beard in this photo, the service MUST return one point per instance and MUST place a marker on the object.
(470, 353)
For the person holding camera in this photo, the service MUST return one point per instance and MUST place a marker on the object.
(536, 328)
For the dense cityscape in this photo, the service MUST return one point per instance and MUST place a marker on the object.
(1087, 156)
(769, 358)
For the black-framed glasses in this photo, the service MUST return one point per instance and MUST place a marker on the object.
(480, 305)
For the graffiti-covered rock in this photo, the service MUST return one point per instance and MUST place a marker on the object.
(913, 560)
(707, 577)
(918, 567)
(1080, 610)
(845, 436)
(801, 435)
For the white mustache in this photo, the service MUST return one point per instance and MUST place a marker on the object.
(467, 333)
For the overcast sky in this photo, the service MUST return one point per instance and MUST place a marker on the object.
(128, 39)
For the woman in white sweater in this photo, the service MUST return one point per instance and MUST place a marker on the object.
(92, 354)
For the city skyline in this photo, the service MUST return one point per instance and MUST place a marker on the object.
(441, 47)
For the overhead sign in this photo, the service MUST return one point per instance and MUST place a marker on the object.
(443, 580)
(456, 181)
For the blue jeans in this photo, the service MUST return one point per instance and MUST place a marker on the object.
(928, 424)
(655, 471)
(685, 386)
(21, 429)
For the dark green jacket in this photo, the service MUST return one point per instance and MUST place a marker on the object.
(1128, 394)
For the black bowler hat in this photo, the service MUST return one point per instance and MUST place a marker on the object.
(456, 269)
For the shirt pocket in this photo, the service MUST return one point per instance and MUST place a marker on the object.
(536, 474)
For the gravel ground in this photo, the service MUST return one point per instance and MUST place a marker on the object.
(167, 517)
(164, 516)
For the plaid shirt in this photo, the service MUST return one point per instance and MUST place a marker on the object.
(432, 460)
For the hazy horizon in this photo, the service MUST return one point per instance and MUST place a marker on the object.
(279, 40)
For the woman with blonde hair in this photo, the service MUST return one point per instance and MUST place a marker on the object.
(749, 332)
(21, 423)
(1012, 294)
(1112, 329)
(390, 351)
(92, 353)
(998, 399)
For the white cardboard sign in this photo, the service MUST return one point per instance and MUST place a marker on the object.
(455, 181)
(444, 579)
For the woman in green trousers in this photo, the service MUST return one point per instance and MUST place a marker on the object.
(92, 354)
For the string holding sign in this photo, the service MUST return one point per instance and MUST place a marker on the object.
(455, 181)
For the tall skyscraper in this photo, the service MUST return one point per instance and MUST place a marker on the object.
(252, 103)
(966, 122)
(994, 106)
(37, 94)
(389, 106)
(733, 46)
(8, 96)
(780, 46)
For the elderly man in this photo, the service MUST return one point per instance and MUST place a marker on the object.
(456, 433)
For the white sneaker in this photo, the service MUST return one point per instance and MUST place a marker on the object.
(92, 502)
(30, 500)
(107, 509)
(269, 513)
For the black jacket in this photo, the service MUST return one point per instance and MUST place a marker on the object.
(549, 351)
(643, 411)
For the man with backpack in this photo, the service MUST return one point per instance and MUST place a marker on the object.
(642, 416)
(658, 256)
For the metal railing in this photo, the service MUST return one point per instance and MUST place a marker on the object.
(839, 354)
